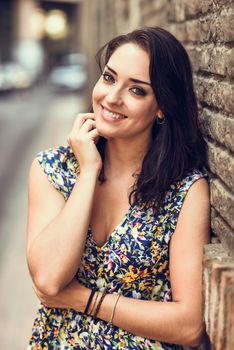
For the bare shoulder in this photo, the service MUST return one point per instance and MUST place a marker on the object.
(199, 191)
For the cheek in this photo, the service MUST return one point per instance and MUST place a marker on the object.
(95, 93)
(98, 92)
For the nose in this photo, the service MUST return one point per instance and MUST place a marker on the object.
(114, 96)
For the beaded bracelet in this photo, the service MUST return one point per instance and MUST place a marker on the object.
(100, 303)
(89, 301)
(113, 311)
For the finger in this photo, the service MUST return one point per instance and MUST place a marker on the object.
(88, 125)
(94, 135)
(81, 118)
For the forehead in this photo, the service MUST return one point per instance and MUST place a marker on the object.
(131, 59)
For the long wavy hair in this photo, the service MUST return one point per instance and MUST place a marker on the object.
(177, 146)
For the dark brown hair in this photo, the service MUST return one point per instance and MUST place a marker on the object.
(177, 146)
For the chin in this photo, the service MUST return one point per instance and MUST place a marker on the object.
(104, 132)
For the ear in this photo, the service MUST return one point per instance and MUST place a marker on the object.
(160, 114)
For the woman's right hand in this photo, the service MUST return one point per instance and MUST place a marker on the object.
(83, 139)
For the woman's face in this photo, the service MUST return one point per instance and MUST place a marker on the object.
(123, 100)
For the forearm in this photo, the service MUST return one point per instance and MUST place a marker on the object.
(55, 254)
(172, 322)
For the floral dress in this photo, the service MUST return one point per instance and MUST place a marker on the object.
(134, 261)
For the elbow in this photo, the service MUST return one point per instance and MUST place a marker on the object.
(45, 286)
(44, 283)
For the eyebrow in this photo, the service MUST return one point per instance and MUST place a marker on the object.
(132, 79)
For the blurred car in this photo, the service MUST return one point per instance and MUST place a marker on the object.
(13, 77)
(70, 75)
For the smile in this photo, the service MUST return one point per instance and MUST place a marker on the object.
(113, 115)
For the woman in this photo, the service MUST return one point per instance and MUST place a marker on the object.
(116, 236)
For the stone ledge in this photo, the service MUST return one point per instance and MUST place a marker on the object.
(218, 277)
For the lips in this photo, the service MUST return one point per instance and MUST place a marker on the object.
(106, 113)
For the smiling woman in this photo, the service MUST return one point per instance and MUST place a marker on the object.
(118, 218)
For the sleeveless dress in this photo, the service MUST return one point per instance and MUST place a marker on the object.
(134, 261)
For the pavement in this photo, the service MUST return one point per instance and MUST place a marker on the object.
(18, 303)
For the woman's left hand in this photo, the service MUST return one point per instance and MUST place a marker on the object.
(74, 296)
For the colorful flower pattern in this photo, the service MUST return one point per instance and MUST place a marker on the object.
(133, 262)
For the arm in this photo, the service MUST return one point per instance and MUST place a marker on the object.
(57, 229)
(180, 321)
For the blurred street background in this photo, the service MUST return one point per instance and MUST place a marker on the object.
(32, 121)
(43, 82)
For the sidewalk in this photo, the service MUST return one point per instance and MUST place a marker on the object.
(18, 303)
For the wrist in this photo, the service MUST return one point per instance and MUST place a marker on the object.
(91, 172)
(82, 296)
(103, 306)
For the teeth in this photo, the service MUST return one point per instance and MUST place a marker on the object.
(113, 115)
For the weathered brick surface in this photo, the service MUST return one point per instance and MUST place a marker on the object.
(154, 13)
(179, 30)
(218, 127)
(212, 59)
(215, 93)
(221, 163)
(223, 231)
(217, 27)
(222, 201)
(201, 7)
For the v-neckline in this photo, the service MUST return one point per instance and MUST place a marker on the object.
(110, 236)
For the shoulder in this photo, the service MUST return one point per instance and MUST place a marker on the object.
(60, 157)
(187, 197)
(194, 181)
(60, 167)
(184, 184)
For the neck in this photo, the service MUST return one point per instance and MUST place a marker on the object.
(123, 157)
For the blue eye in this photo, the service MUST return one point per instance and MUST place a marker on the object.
(108, 77)
(138, 91)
